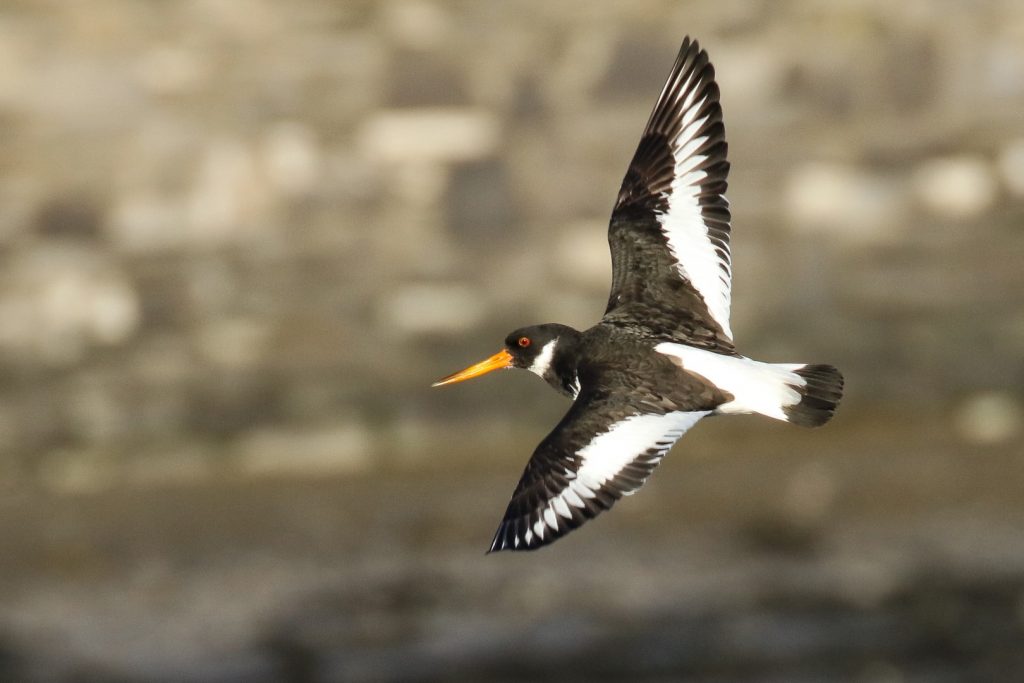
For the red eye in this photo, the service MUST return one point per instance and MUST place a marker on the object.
(524, 342)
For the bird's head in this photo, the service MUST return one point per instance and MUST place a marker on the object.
(546, 350)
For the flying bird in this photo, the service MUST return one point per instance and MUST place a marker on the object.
(662, 358)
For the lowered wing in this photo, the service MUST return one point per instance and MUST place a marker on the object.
(602, 449)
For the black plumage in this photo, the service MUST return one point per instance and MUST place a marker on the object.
(662, 357)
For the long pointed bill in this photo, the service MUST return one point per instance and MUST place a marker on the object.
(502, 359)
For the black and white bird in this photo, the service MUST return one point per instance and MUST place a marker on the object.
(662, 357)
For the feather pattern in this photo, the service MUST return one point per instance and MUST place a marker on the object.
(574, 474)
(669, 232)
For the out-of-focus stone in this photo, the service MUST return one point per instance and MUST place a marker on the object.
(225, 201)
(16, 65)
(990, 418)
(145, 221)
(568, 307)
(1004, 63)
(95, 412)
(844, 200)
(433, 308)
(227, 196)
(233, 343)
(171, 70)
(249, 21)
(190, 464)
(55, 303)
(425, 79)
(291, 157)
(581, 254)
(87, 94)
(335, 449)
(581, 64)
(69, 218)
(753, 71)
(73, 472)
(113, 311)
(419, 184)
(102, 307)
(429, 134)
(1011, 166)
(480, 204)
(18, 208)
(415, 24)
(617, 64)
(960, 187)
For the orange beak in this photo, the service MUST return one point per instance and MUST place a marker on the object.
(502, 359)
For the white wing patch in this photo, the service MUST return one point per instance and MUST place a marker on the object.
(608, 453)
(696, 256)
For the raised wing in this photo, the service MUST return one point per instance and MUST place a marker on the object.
(600, 451)
(669, 231)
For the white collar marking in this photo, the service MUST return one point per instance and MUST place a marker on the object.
(542, 362)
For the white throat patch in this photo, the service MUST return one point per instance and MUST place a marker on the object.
(543, 360)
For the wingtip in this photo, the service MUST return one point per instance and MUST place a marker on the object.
(496, 544)
(495, 548)
(690, 46)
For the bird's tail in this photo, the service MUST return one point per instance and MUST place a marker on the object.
(819, 395)
(806, 395)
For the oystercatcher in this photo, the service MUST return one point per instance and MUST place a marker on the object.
(662, 357)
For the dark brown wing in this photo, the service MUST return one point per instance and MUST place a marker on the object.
(669, 231)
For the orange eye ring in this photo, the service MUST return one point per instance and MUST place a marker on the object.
(523, 342)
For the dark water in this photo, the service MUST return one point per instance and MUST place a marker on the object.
(754, 554)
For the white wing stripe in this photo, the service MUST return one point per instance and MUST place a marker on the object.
(697, 258)
(560, 506)
(690, 113)
(687, 133)
(628, 441)
(610, 452)
(695, 254)
(687, 93)
(570, 496)
(686, 233)
(549, 517)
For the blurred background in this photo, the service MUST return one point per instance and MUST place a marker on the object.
(240, 238)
